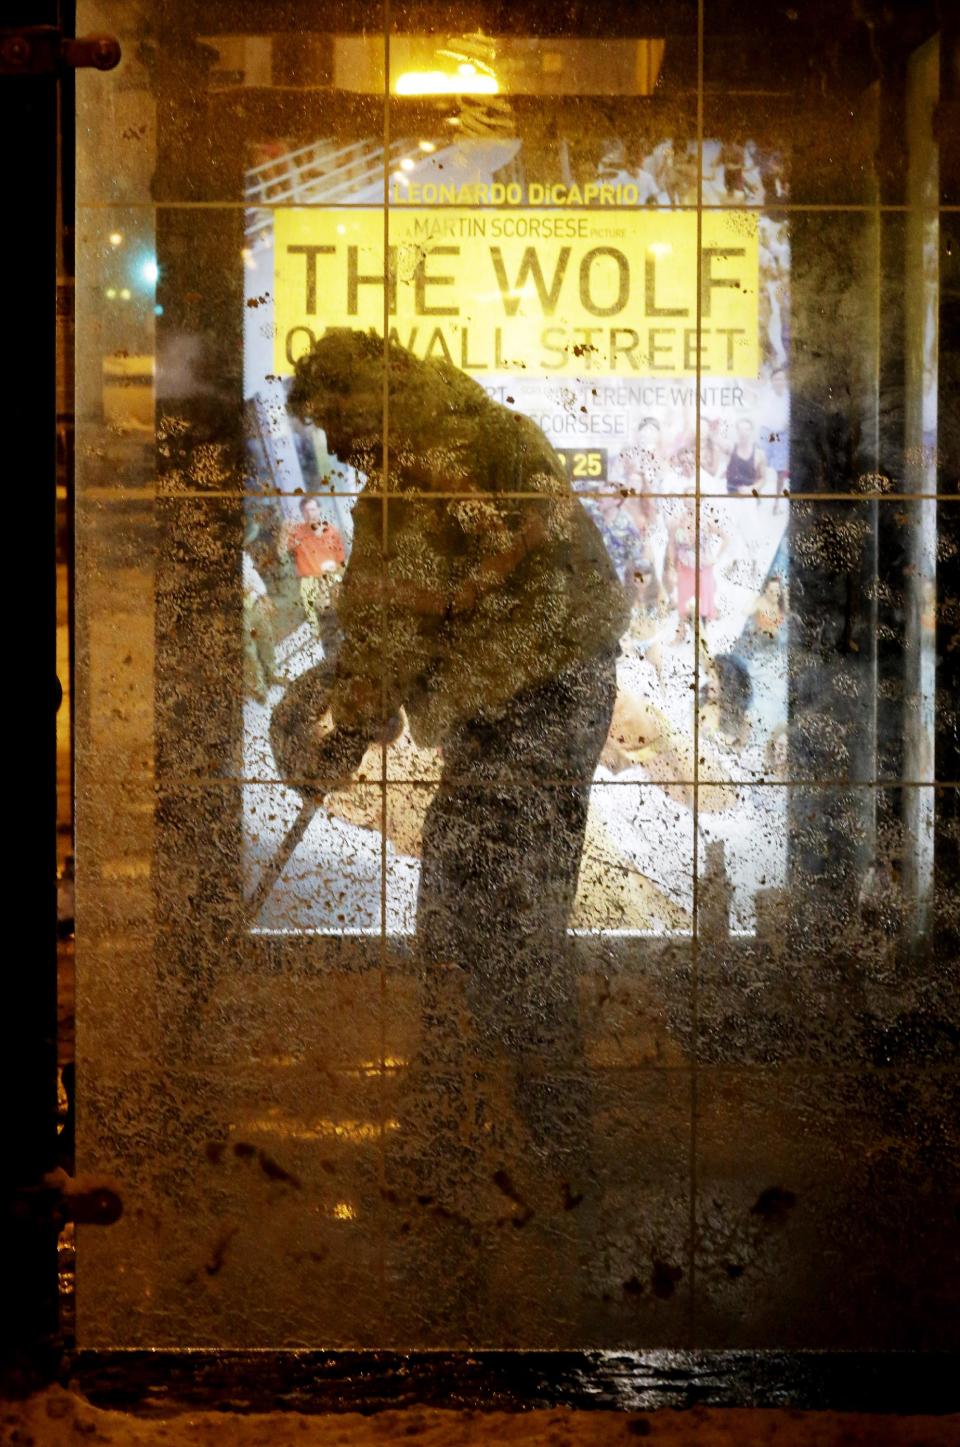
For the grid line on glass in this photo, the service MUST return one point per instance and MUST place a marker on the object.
(695, 880)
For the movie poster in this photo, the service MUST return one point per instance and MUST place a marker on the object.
(583, 317)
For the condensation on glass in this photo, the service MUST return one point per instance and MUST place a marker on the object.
(515, 531)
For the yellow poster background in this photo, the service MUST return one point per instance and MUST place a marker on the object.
(541, 292)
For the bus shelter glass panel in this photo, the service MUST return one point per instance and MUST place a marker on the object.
(515, 818)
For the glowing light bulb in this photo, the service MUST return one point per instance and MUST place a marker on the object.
(406, 164)
(115, 238)
(111, 293)
(149, 270)
(125, 294)
(426, 146)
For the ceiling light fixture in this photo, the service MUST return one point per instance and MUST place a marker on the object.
(465, 80)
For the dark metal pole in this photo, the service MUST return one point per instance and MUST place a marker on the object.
(28, 122)
(37, 48)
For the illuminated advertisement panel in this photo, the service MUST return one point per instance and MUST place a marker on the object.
(583, 318)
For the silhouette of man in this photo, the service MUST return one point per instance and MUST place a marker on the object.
(479, 598)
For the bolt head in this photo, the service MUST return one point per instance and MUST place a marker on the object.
(16, 51)
(106, 53)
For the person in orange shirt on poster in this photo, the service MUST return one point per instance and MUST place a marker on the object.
(319, 557)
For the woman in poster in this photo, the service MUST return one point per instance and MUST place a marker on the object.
(747, 467)
(680, 564)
